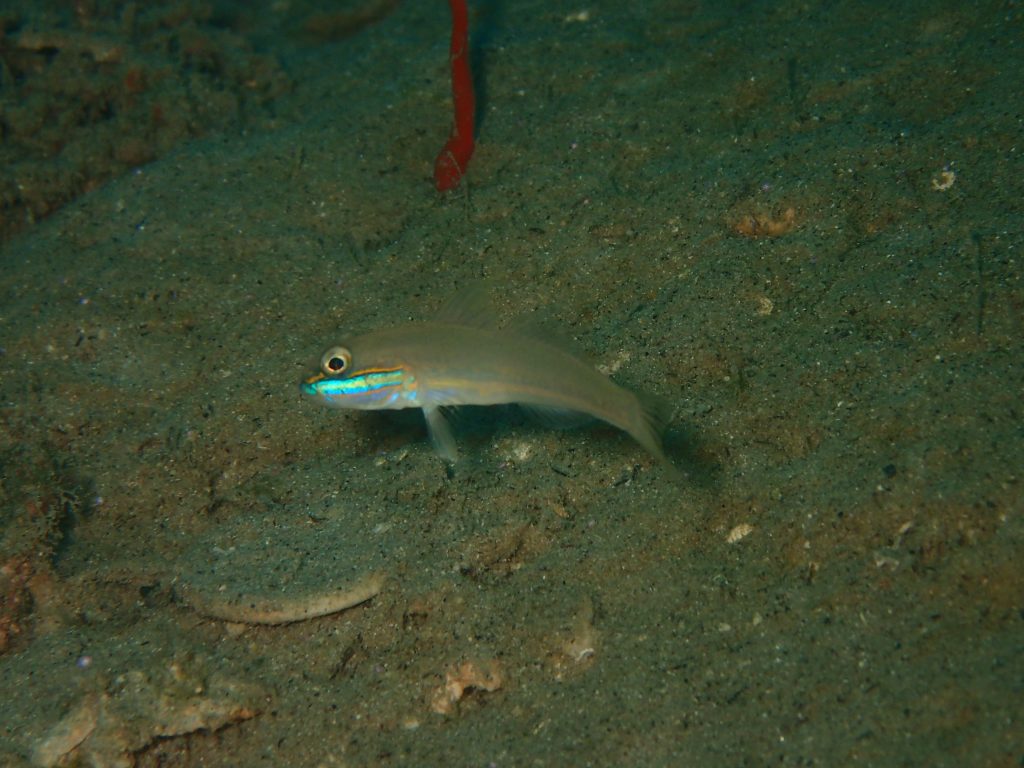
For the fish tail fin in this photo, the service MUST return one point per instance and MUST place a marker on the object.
(656, 413)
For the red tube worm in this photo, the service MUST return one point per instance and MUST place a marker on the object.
(451, 163)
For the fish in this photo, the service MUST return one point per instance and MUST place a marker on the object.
(462, 358)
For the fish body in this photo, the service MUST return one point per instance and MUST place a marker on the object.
(458, 360)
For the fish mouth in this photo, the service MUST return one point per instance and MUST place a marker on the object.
(308, 385)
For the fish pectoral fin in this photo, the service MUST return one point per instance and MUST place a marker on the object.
(440, 434)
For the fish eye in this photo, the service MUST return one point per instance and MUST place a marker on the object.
(335, 360)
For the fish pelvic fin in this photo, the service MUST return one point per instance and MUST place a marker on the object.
(440, 434)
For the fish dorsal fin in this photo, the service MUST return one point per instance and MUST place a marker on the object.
(471, 306)
(540, 327)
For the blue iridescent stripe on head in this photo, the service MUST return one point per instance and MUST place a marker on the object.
(374, 384)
